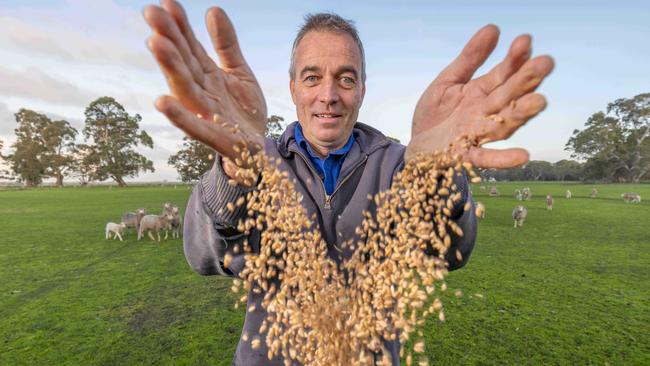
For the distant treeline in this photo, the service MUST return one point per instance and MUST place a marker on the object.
(614, 146)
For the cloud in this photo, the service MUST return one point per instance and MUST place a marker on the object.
(33, 83)
(60, 42)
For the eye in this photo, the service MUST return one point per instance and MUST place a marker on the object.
(311, 79)
(348, 81)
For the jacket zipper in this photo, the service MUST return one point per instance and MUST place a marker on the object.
(328, 197)
(340, 183)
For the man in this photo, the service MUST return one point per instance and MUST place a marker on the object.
(335, 160)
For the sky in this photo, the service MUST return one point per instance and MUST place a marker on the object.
(58, 56)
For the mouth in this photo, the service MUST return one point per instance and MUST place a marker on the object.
(327, 117)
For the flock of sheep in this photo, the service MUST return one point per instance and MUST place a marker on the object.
(169, 219)
(519, 213)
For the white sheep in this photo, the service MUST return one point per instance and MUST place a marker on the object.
(115, 229)
(526, 194)
(155, 223)
(631, 197)
(519, 215)
(494, 192)
(167, 208)
(549, 202)
(568, 194)
(594, 193)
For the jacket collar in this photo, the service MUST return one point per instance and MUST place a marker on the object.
(368, 140)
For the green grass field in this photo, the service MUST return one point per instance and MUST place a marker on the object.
(570, 287)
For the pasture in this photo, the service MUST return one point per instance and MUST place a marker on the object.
(569, 287)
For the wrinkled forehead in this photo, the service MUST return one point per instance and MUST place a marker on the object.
(320, 47)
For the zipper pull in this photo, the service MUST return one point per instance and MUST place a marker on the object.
(328, 198)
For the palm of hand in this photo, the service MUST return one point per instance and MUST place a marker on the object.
(219, 105)
(458, 115)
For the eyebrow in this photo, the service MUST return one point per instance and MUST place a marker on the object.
(339, 71)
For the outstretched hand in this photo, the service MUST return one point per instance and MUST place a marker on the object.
(206, 96)
(459, 113)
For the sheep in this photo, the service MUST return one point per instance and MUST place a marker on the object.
(568, 194)
(549, 202)
(526, 194)
(594, 193)
(483, 188)
(519, 215)
(167, 208)
(176, 222)
(116, 229)
(132, 219)
(631, 197)
(154, 223)
(518, 195)
(494, 192)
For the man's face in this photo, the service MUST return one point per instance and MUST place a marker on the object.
(327, 88)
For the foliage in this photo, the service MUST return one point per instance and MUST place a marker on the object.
(59, 139)
(615, 145)
(42, 149)
(537, 170)
(192, 160)
(115, 134)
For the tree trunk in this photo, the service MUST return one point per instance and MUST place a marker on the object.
(31, 183)
(120, 181)
(59, 180)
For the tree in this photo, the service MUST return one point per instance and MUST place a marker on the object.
(85, 163)
(538, 170)
(615, 144)
(195, 158)
(568, 170)
(274, 127)
(27, 161)
(59, 138)
(115, 134)
(192, 160)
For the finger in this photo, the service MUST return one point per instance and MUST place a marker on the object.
(475, 52)
(162, 23)
(502, 126)
(498, 159)
(525, 108)
(178, 14)
(178, 75)
(224, 40)
(525, 80)
(519, 52)
(208, 132)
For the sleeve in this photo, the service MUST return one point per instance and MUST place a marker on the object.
(209, 231)
(467, 222)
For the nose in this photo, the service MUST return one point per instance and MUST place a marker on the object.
(328, 93)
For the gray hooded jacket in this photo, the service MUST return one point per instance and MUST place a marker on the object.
(209, 232)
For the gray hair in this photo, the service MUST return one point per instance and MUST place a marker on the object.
(327, 22)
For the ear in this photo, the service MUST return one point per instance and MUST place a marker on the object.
(363, 94)
(292, 86)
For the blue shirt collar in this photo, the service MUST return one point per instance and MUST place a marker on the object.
(302, 142)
